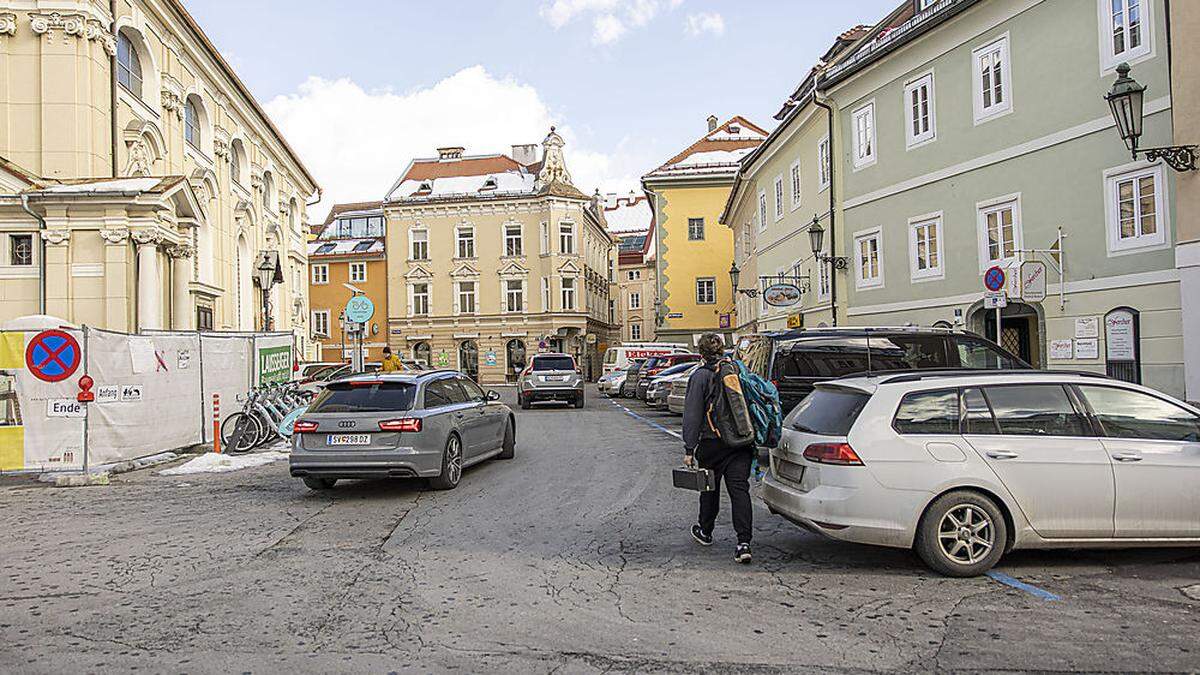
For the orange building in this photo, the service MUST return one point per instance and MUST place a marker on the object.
(348, 252)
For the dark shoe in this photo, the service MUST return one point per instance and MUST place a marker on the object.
(703, 538)
(741, 553)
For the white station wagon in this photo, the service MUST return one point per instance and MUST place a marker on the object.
(964, 467)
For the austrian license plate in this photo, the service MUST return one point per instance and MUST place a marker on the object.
(553, 378)
(348, 439)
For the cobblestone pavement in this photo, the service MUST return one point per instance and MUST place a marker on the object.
(574, 557)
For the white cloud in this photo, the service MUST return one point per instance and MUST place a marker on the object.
(704, 22)
(357, 142)
(610, 19)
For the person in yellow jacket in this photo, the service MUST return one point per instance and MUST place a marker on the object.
(391, 362)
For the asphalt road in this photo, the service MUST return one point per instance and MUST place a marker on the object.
(574, 557)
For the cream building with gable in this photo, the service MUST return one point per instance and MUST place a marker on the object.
(140, 182)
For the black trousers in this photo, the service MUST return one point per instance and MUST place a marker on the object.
(733, 468)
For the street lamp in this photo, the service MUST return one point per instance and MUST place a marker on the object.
(734, 276)
(266, 271)
(816, 239)
(1126, 102)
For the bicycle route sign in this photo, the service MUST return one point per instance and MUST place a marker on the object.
(994, 278)
(360, 309)
(53, 355)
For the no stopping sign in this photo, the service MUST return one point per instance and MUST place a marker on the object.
(52, 355)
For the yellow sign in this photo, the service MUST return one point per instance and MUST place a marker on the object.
(795, 321)
(12, 350)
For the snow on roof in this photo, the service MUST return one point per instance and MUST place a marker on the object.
(714, 157)
(716, 153)
(114, 185)
(326, 247)
(503, 183)
(628, 213)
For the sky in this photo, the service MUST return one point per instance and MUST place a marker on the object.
(361, 88)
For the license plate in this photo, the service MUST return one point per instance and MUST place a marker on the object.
(789, 471)
(348, 439)
(553, 378)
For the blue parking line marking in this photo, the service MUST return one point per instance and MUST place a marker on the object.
(1022, 586)
(652, 423)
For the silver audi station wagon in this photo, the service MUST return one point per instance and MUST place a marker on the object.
(412, 425)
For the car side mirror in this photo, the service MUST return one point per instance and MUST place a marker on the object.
(493, 395)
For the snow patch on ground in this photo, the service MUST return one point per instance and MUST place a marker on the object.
(211, 462)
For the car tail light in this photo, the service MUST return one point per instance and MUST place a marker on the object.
(304, 427)
(365, 383)
(832, 453)
(411, 424)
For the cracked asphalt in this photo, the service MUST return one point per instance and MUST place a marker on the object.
(573, 557)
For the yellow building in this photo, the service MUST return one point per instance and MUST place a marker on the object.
(630, 222)
(494, 257)
(140, 182)
(348, 254)
(693, 251)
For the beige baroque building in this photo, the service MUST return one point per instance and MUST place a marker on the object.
(630, 222)
(140, 182)
(493, 257)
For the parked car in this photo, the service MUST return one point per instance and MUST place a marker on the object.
(655, 365)
(610, 383)
(677, 395)
(620, 356)
(797, 360)
(630, 378)
(550, 377)
(964, 466)
(428, 425)
(660, 385)
(306, 371)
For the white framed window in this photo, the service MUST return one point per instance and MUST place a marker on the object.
(1135, 208)
(418, 299)
(747, 242)
(1126, 33)
(920, 112)
(635, 331)
(466, 297)
(778, 197)
(863, 128)
(419, 240)
(925, 247)
(695, 229)
(633, 275)
(992, 77)
(358, 272)
(514, 296)
(514, 243)
(868, 258)
(999, 231)
(191, 123)
(320, 322)
(129, 65)
(824, 175)
(794, 173)
(635, 300)
(762, 210)
(466, 241)
(320, 274)
(546, 294)
(566, 238)
(923, 5)
(568, 294)
(706, 291)
(824, 282)
(545, 237)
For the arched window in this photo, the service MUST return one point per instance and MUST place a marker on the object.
(191, 122)
(129, 66)
(268, 190)
(422, 353)
(235, 162)
(294, 216)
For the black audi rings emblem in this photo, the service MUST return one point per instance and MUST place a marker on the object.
(346, 424)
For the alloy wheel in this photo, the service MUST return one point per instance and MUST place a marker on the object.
(454, 459)
(966, 534)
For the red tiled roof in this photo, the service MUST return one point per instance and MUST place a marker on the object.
(338, 209)
(424, 169)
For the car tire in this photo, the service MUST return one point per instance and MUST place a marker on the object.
(523, 401)
(508, 448)
(579, 401)
(319, 483)
(962, 534)
(452, 457)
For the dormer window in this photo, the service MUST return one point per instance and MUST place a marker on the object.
(735, 129)
(489, 184)
(425, 187)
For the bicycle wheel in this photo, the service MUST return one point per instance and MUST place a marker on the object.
(266, 428)
(238, 432)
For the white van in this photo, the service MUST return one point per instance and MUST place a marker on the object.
(618, 358)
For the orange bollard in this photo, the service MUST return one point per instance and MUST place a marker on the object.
(217, 423)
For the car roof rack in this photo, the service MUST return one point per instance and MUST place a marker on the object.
(894, 377)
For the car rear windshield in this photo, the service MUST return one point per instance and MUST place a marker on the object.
(828, 411)
(359, 397)
(678, 368)
(541, 363)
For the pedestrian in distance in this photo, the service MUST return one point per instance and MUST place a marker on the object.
(711, 418)
(391, 362)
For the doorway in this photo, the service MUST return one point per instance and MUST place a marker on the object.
(468, 359)
(515, 359)
(1019, 333)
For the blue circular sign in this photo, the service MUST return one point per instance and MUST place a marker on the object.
(360, 309)
(994, 279)
(52, 355)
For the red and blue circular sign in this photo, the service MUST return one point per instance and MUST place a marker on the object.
(52, 355)
(994, 279)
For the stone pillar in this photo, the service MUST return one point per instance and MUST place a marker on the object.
(117, 303)
(58, 273)
(181, 298)
(149, 286)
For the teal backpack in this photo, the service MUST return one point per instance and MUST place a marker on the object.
(762, 398)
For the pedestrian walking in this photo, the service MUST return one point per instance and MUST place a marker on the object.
(704, 410)
(391, 362)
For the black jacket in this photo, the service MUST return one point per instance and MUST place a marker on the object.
(695, 406)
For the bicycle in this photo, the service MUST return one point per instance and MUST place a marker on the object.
(258, 421)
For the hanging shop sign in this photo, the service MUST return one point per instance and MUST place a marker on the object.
(782, 295)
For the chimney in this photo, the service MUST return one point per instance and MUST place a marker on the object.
(712, 123)
(450, 153)
(525, 154)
